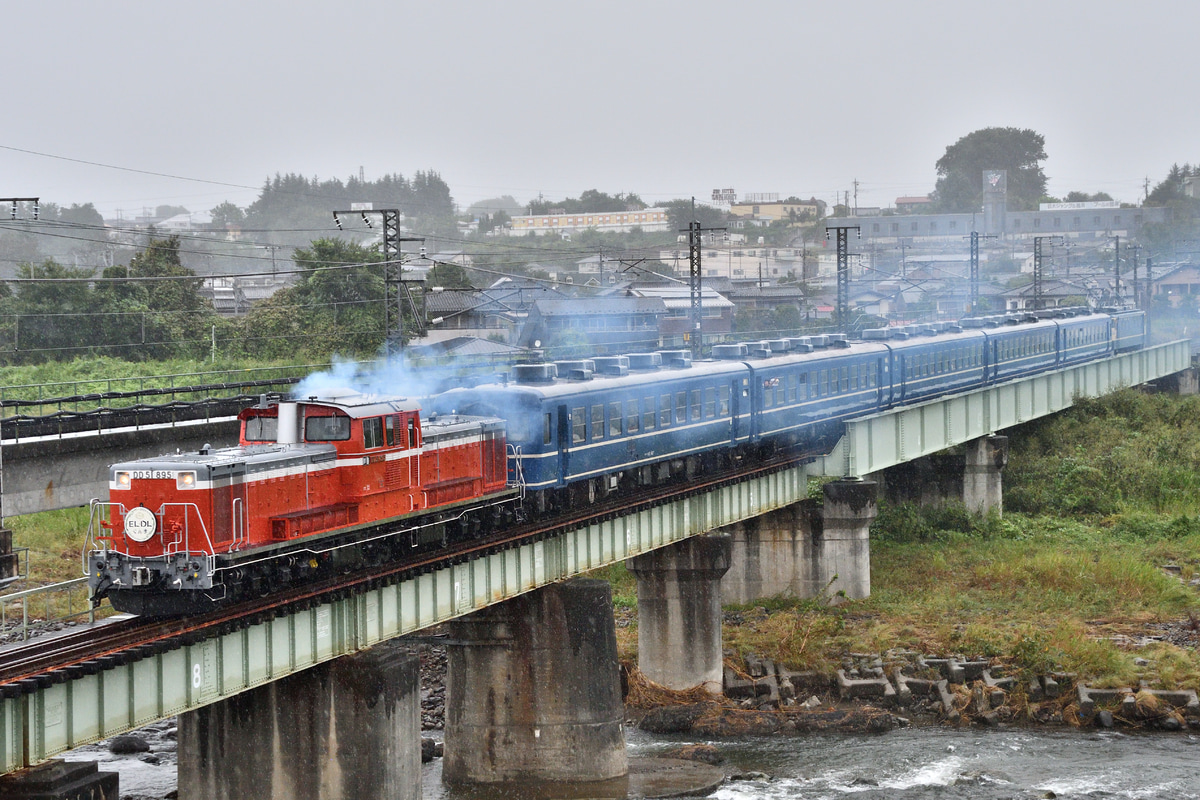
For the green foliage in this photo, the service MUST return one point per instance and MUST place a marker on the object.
(589, 201)
(336, 306)
(1127, 452)
(912, 522)
(1020, 151)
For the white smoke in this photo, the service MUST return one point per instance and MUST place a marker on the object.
(393, 377)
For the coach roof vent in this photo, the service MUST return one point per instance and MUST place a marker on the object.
(876, 334)
(819, 341)
(645, 362)
(779, 345)
(729, 352)
(534, 373)
(612, 365)
(838, 340)
(801, 344)
(565, 367)
(676, 359)
(758, 350)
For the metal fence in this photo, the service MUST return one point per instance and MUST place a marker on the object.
(43, 606)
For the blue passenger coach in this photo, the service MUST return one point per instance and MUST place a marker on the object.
(597, 425)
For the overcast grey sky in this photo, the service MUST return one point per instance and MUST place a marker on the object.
(667, 99)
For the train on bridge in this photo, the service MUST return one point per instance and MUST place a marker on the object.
(326, 484)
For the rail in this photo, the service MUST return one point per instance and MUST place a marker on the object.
(28, 597)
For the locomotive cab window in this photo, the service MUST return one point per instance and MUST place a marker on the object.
(389, 429)
(373, 432)
(412, 432)
(326, 429)
(262, 429)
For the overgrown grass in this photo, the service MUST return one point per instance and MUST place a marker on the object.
(99, 374)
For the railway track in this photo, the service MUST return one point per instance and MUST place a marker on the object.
(46, 661)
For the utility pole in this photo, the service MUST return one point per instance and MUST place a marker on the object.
(1137, 252)
(1117, 271)
(975, 237)
(272, 248)
(904, 244)
(843, 272)
(16, 204)
(856, 197)
(394, 284)
(695, 246)
(1038, 269)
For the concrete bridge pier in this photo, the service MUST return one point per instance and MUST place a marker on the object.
(348, 729)
(986, 457)
(768, 555)
(533, 696)
(842, 563)
(679, 611)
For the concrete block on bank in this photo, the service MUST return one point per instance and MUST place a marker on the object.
(864, 687)
(950, 713)
(1088, 697)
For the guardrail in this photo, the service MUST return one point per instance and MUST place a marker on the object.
(28, 597)
(106, 403)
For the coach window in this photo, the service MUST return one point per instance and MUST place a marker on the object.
(631, 416)
(845, 379)
(648, 413)
(326, 429)
(822, 383)
(614, 419)
(578, 426)
(597, 421)
(695, 404)
(710, 402)
(768, 395)
(547, 428)
(664, 411)
(681, 407)
(723, 395)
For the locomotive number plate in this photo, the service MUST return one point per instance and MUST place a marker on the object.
(152, 474)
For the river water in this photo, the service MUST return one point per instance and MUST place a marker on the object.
(922, 763)
(931, 762)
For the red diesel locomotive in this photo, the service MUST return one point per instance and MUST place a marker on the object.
(313, 487)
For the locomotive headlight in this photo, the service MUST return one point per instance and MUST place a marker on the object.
(185, 480)
(123, 480)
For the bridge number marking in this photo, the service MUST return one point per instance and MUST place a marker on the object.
(197, 676)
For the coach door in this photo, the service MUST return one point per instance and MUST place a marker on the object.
(564, 440)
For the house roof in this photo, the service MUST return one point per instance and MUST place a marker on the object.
(598, 306)
(675, 297)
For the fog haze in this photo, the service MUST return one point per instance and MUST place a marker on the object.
(663, 99)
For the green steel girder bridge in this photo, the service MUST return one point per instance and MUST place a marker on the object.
(46, 718)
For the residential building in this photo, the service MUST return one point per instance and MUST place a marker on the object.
(648, 219)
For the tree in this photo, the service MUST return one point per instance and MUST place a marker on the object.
(227, 214)
(448, 275)
(336, 305)
(680, 213)
(1019, 151)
